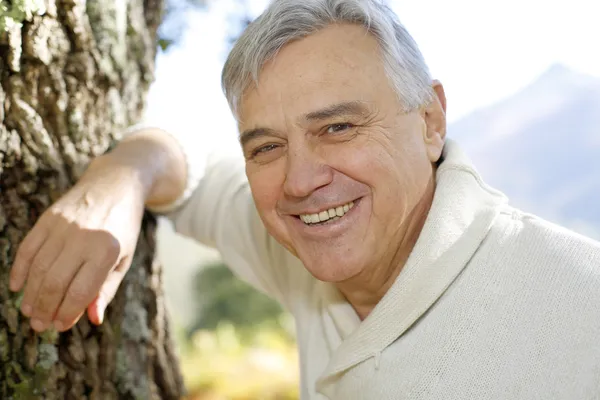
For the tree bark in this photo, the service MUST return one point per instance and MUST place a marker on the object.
(72, 75)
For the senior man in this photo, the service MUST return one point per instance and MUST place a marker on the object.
(408, 276)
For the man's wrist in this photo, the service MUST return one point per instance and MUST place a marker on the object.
(116, 166)
(155, 163)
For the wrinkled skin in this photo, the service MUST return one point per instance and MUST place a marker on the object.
(306, 153)
(81, 246)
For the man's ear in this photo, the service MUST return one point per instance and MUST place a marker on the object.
(434, 116)
(438, 88)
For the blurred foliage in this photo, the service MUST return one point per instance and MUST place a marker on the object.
(239, 20)
(242, 345)
(224, 298)
(174, 22)
(218, 365)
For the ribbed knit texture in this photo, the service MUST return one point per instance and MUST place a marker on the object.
(492, 303)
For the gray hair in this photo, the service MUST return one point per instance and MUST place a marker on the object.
(287, 20)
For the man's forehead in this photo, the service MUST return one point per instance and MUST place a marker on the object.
(337, 65)
(310, 99)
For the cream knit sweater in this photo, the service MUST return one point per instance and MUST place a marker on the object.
(493, 303)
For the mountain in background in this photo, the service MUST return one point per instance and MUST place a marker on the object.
(541, 147)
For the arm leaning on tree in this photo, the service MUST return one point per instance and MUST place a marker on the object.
(77, 253)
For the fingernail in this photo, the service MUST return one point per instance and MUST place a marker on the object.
(13, 286)
(37, 325)
(101, 309)
(58, 326)
(26, 310)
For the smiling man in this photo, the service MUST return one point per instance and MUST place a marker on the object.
(408, 277)
(324, 133)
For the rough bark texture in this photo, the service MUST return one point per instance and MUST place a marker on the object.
(73, 74)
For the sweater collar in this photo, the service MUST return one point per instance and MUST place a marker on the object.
(461, 215)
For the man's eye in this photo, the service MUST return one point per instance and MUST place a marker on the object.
(337, 128)
(263, 149)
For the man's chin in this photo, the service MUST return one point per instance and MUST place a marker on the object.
(331, 272)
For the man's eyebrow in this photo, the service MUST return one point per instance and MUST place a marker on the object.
(255, 133)
(347, 108)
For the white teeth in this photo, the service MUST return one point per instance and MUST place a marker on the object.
(332, 213)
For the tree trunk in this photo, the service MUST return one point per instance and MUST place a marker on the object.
(72, 75)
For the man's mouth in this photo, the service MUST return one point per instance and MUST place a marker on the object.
(332, 214)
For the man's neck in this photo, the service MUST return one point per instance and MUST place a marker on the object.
(365, 290)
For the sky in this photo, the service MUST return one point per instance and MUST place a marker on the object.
(482, 51)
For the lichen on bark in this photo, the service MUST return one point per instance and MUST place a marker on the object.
(15, 12)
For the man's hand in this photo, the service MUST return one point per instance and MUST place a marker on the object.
(79, 250)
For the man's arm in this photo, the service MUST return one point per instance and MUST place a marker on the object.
(158, 158)
(80, 248)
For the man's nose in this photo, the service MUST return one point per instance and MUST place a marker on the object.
(306, 172)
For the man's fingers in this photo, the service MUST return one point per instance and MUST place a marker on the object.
(97, 309)
(26, 252)
(82, 290)
(54, 286)
(37, 271)
(62, 326)
(91, 281)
